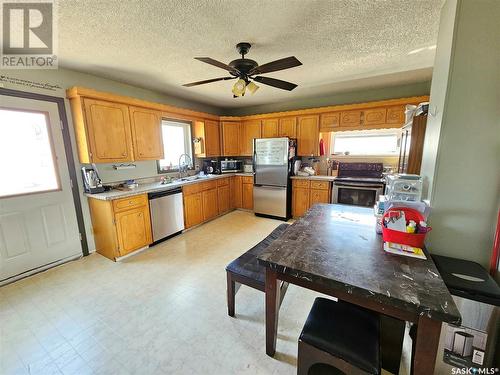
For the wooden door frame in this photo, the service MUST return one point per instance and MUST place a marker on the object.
(70, 160)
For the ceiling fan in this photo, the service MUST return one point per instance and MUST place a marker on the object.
(246, 70)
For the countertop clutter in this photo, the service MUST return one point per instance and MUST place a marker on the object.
(158, 186)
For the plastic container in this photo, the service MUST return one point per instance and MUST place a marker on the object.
(404, 187)
(403, 238)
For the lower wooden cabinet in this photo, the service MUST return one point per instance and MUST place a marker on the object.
(223, 195)
(210, 204)
(134, 229)
(247, 196)
(206, 200)
(232, 187)
(120, 226)
(306, 193)
(300, 201)
(193, 210)
(237, 196)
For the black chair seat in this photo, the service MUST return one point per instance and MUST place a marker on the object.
(247, 265)
(345, 331)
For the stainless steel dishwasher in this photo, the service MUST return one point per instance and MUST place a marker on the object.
(167, 213)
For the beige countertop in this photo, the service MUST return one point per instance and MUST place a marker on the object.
(318, 177)
(157, 186)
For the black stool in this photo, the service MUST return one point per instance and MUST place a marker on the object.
(341, 335)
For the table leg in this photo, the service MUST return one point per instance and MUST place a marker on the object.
(272, 310)
(428, 332)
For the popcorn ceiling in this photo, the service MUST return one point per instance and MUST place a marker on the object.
(343, 45)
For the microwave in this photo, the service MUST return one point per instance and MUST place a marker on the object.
(231, 166)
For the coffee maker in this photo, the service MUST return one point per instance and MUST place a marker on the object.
(211, 166)
(91, 182)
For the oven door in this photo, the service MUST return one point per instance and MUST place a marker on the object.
(356, 194)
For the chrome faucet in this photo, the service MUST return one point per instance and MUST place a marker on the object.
(183, 166)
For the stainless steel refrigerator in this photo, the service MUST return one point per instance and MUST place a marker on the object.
(273, 159)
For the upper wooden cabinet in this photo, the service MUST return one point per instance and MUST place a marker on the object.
(207, 131)
(396, 115)
(288, 127)
(350, 118)
(329, 121)
(248, 131)
(308, 135)
(270, 128)
(107, 137)
(111, 132)
(230, 138)
(146, 133)
(375, 116)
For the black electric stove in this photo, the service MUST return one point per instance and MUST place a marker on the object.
(358, 184)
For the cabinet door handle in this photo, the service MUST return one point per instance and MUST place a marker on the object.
(124, 154)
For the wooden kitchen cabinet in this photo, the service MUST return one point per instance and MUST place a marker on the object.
(288, 127)
(134, 229)
(306, 193)
(247, 194)
(375, 116)
(210, 204)
(120, 226)
(237, 192)
(223, 196)
(243, 192)
(270, 128)
(201, 202)
(193, 210)
(146, 133)
(300, 197)
(230, 138)
(232, 204)
(248, 131)
(308, 135)
(207, 131)
(318, 196)
(350, 118)
(329, 121)
(108, 137)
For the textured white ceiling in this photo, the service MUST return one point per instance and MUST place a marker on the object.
(152, 43)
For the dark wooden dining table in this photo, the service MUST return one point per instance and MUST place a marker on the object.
(334, 249)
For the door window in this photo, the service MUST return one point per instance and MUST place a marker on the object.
(27, 158)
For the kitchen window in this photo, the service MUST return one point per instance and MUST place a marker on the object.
(27, 157)
(176, 141)
(366, 143)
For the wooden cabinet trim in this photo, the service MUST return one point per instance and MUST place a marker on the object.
(130, 202)
(320, 185)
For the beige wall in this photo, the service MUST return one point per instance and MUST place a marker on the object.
(461, 162)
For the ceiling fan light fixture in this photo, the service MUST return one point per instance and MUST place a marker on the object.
(239, 87)
(252, 87)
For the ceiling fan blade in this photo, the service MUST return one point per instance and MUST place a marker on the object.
(284, 85)
(207, 81)
(274, 66)
(218, 64)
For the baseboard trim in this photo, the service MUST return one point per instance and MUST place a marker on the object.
(34, 271)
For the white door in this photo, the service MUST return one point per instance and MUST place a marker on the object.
(38, 223)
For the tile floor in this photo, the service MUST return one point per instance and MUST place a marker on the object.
(162, 311)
